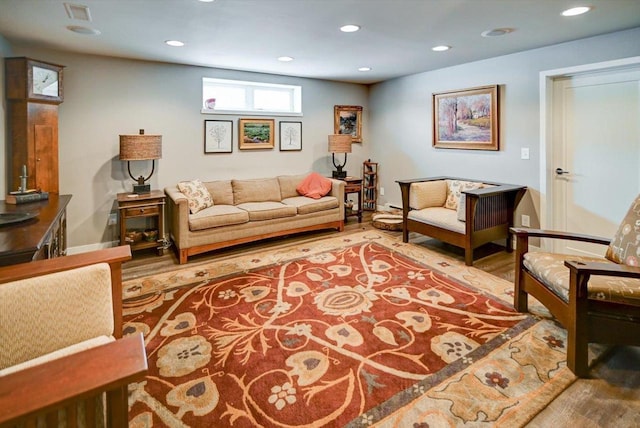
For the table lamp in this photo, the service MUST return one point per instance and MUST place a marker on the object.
(339, 143)
(140, 147)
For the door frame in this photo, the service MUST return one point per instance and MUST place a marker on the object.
(547, 127)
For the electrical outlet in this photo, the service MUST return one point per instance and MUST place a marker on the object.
(113, 219)
(526, 221)
(382, 191)
(524, 153)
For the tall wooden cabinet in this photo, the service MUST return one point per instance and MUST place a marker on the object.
(34, 91)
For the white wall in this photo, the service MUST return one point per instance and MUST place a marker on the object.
(105, 97)
(400, 115)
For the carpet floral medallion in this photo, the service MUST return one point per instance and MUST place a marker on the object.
(357, 330)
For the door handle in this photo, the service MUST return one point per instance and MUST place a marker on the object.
(561, 171)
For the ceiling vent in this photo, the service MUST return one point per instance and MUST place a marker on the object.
(78, 12)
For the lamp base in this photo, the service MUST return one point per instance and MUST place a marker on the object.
(339, 174)
(142, 188)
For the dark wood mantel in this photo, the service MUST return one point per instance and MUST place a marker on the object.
(41, 237)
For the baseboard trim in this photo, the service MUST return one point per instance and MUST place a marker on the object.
(91, 247)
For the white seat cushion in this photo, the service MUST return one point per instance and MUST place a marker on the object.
(441, 217)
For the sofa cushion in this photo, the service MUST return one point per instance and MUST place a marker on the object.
(288, 184)
(216, 216)
(439, 216)
(256, 190)
(625, 245)
(221, 191)
(314, 186)
(267, 210)
(428, 194)
(306, 205)
(63, 352)
(455, 188)
(550, 269)
(197, 195)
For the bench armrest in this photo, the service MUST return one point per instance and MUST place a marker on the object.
(72, 378)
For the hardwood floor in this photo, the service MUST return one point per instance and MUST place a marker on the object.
(610, 398)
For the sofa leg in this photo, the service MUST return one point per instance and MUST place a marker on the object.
(183, 256)
(468, 257)
(577, 354)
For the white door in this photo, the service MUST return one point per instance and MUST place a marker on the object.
(596, 152)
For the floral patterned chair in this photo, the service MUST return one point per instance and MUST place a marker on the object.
(62, 359)
(596, 299)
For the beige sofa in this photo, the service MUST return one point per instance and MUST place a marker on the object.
(462, 212)
(249, 210)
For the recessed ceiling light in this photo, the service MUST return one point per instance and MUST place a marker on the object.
(364, 69)
(206, 1)
(349, 28)
(285, 58)
(440, 48)
(83, 30)
(574, 11)
(176, 43)
(496, 32)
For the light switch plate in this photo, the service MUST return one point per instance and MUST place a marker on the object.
(524, 153)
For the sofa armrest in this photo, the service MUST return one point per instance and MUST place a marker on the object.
(75, 377)
(337, 190)
(178, 215)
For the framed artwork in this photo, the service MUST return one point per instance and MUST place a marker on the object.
(218, 136)
(348, 120)
(255, 134)
(290, 136)
(466, 119)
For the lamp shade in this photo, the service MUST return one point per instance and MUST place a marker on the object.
(340, 143)
(140, 147)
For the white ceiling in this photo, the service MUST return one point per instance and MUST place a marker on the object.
(395, 39)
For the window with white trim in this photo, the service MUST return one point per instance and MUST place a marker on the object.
(222, 96)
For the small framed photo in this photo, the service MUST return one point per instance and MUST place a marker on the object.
(290, 136)
(467, 119)
(256, 134)
(218, 136)
(348, 120)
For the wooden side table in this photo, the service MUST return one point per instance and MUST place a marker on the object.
(147, 208)
(353, 185)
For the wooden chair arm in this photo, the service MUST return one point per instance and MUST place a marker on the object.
(58, 383)
(555, 234)
(115, 255)
(607, 269)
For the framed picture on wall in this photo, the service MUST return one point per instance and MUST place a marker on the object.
(348, 120)
(218, 136)
(255, 134)
(466, 119)
(290, 136)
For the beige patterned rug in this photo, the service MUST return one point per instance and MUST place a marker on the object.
(356, 330)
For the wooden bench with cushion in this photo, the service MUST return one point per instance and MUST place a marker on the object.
(462, 212)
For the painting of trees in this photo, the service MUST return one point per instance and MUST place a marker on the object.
(218, 136)
(466, 119)
(290, 136)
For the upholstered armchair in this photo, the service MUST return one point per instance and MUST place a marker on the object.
(62, 359)
(596, 299)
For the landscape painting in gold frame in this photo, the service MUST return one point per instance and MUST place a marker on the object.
(255, 134)
(466, 119)
(348, 120)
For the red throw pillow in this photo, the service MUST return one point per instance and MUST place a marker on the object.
(314, 186)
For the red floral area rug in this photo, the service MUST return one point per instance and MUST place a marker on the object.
(354, 331)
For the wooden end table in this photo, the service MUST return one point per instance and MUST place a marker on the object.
(353, 185)
(150, 208)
